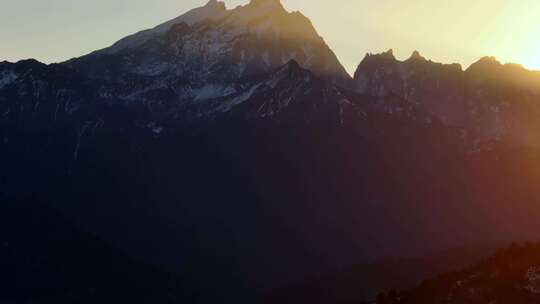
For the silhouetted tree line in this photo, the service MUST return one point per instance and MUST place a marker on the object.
(512, 275)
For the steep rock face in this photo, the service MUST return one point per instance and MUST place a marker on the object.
(508, 75)
(419, 81)
(35, 95)
(290, 86)
(200, 54)
(504, 100)
(260, 97)
(494, 101)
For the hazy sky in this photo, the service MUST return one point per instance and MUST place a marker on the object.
(443, 30)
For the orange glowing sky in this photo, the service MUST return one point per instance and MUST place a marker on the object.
(448, 31)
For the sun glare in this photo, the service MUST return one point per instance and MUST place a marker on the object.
(533, 59)
(524, 30)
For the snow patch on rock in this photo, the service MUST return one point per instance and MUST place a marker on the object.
(214, 10)
(155, 128)
(212, 91)
(7, 78)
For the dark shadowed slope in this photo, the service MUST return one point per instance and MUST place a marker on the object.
(46, 259)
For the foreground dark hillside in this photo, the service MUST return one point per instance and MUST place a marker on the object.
(46, 259)
(510, 276)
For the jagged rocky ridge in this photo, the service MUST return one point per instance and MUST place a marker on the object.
(202, 54)
(489, 99)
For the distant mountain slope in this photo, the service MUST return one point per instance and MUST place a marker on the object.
(511, 276)
(489, 99)
(46, 259)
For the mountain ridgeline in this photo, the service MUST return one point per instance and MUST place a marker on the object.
(233, 142)
(489, 99)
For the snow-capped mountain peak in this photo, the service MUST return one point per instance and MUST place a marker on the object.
(213, 10)
(243, 18)
(213, 45)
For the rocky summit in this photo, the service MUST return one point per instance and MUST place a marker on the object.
(489, 99)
